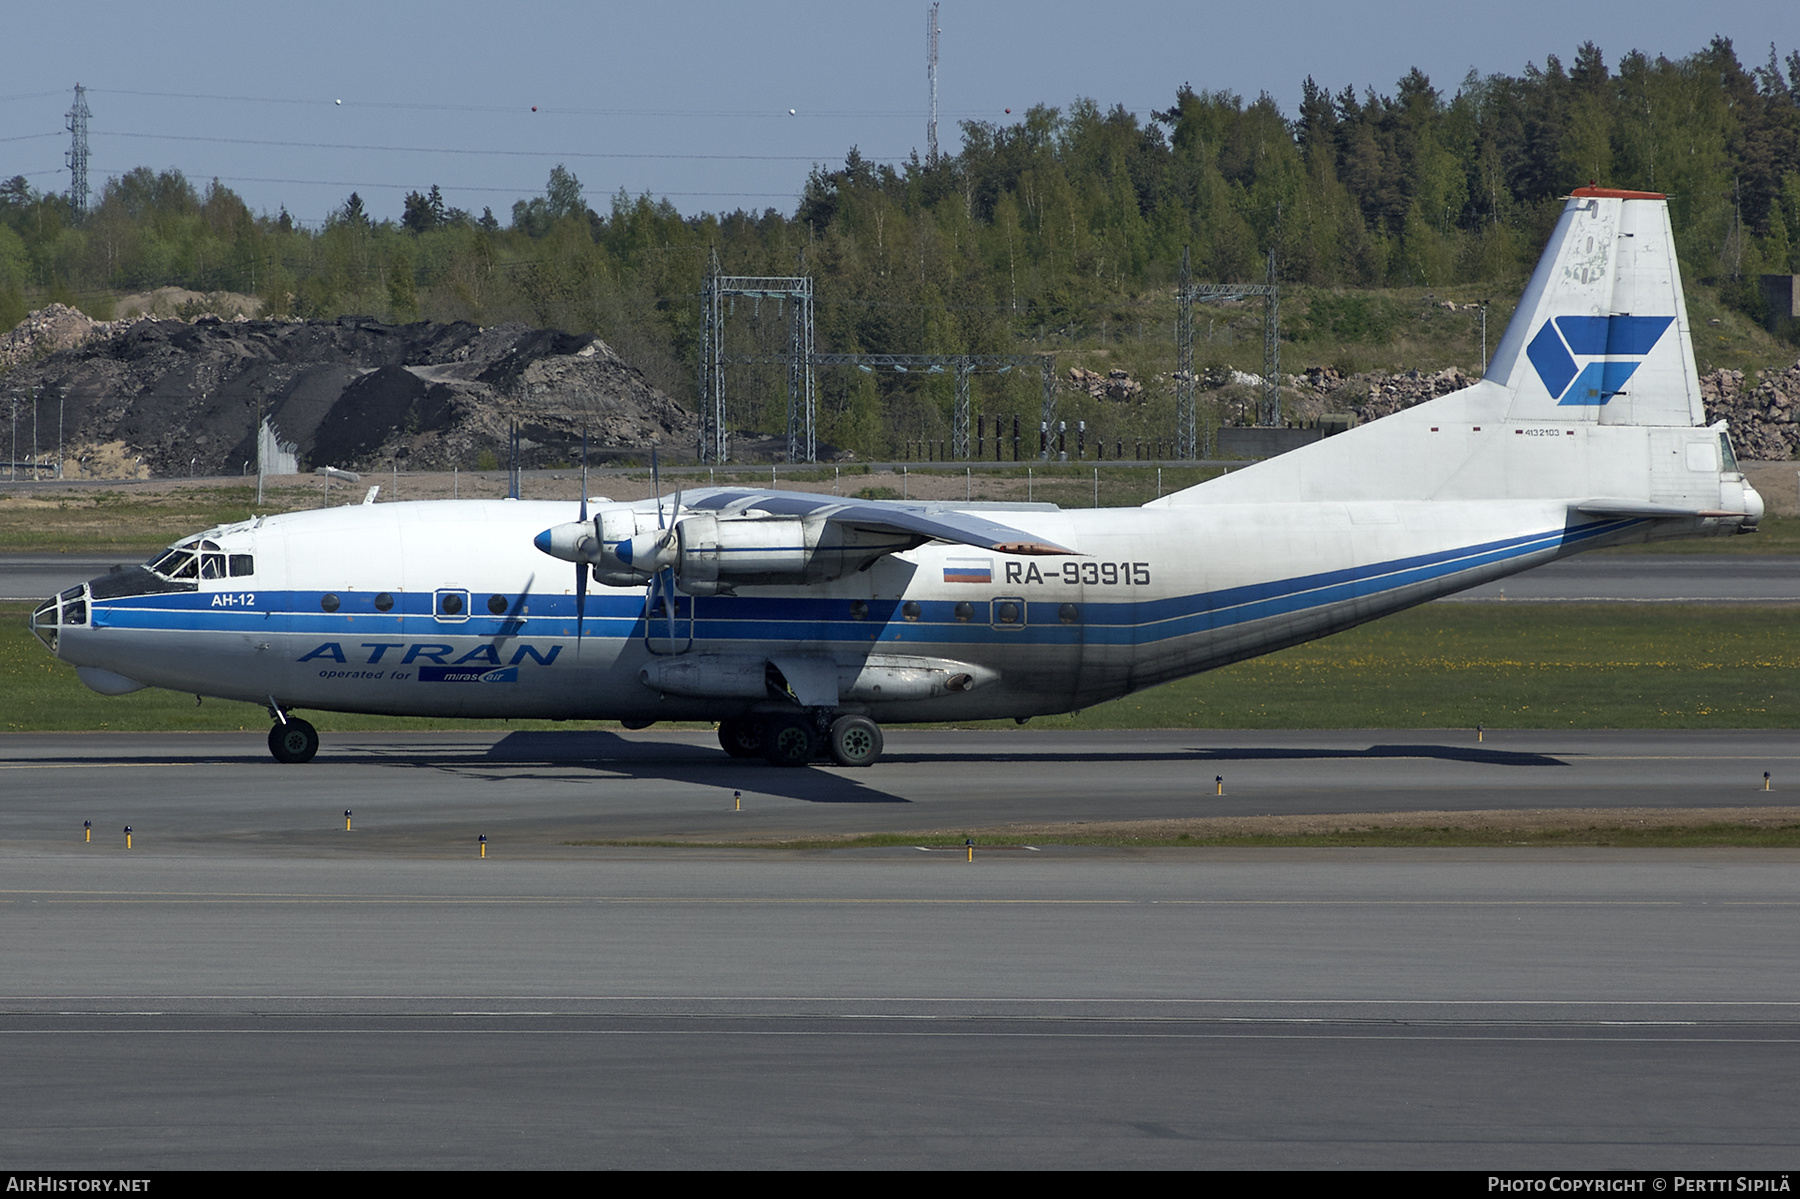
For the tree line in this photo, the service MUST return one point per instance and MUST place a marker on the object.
(1046, 231)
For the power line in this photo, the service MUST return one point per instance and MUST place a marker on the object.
(248, 141)
(521, 192)
(551, 110)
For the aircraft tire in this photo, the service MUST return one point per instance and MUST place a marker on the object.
(789, 741)
(741, 738)
(294, 742)
(855, 741)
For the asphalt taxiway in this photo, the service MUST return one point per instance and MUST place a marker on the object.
(253, 985)
(535, 793)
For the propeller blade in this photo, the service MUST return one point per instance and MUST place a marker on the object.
(584, 490)
(581, 577)
(656, 486)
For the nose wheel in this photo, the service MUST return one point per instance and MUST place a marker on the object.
(293, 740)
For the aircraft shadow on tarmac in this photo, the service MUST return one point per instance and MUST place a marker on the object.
(1446, 753)
(676, 763)
(617, 751)
(611, 755)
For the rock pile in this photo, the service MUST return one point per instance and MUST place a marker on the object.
(1761, 417)
(56, 327)
(1116, 384)
(184, 397)
(1764, 416)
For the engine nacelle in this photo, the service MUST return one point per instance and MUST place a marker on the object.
(712, 554)
(719, 553)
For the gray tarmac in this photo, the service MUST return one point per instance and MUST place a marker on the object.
(1650, 578)
(432, 794)
(39, 576)
(253, 986)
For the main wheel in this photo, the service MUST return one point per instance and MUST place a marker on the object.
(294, 741)
(741, 738)
(789, 741)
(855, 741)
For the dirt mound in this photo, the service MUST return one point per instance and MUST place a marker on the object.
(355, 392)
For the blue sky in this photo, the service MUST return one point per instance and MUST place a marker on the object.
(691, 100)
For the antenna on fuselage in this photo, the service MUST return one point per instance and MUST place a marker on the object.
(656, 486)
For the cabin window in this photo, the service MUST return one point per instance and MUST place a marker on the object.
(910, 610)
(1009, 613)
(965, 611)
(384, 602)
(1069, 614)
(497, 605)
(328, 602)
(452, 604)
(859, 610)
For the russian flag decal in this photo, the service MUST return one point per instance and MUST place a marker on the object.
(968, 570)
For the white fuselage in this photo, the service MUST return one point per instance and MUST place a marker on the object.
(1153, 594)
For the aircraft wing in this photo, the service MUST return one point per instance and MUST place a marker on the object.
(925, 521)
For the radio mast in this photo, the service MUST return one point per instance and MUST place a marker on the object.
(931, 36)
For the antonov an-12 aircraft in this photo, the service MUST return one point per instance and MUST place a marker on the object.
(801, 623)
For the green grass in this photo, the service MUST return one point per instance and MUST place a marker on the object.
(1502, 665)
(1440, 666)
(132, 523)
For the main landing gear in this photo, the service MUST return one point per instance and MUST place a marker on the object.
(293, 740)
(797, 738)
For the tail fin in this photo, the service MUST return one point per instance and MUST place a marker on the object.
(1601, 334)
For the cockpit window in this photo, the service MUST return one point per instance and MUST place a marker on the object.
(200, 559)
(1725, 453)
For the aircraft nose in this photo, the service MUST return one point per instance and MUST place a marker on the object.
(48, 619)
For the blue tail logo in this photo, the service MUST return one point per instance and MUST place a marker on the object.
(1619, 345)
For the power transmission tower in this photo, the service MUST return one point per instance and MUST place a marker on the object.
(1269, 409)
(78, 151)
(931, 47)
(715, 289)
(1187, 439)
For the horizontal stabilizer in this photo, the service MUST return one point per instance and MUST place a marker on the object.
(1639, 508)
